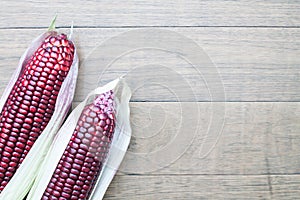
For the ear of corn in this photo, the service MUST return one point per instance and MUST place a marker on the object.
(88, 148)
(33, 106)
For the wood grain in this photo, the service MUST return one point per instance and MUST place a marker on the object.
(199, 138)
(192, 137)
(150, 13)
(204, 187)
(285, 187)
(253, 64)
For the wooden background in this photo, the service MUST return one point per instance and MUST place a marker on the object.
(255, 46)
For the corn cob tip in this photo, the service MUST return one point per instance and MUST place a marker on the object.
(105, 101)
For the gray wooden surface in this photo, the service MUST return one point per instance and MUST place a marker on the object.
(242, 144)
(255, 64)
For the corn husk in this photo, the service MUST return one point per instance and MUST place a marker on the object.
(118, 148)
(23, 179)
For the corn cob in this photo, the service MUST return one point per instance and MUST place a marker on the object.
(31, 102)
(83, 158)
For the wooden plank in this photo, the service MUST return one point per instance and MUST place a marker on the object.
(204, 187)
(253, 64)
(151, 13)
(285, 187)
(189, 187)
(198, 138)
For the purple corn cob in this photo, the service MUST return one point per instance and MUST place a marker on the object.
(81, 163)
(31, 102)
